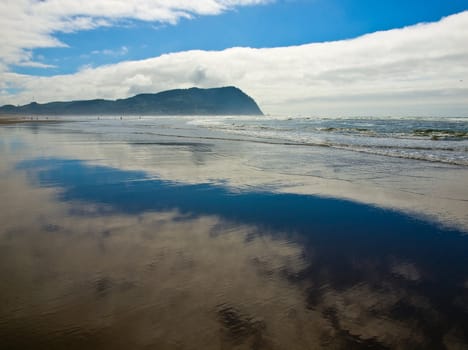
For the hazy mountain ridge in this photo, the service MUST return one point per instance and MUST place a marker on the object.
(194, 101)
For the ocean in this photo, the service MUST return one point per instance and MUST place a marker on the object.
(443, 140)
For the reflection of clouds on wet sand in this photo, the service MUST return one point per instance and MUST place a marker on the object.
(406, 270)
(78, 274)
(156, 279)
(434, 192)
(359, 310)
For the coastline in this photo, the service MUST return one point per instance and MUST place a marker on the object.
(11, 119)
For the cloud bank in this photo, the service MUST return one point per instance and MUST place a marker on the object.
(417, 70)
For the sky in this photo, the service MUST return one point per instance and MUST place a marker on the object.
(294, 57)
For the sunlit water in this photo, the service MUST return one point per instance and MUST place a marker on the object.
(234, 233)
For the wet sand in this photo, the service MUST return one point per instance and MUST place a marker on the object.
(112, 240)
(6, 120)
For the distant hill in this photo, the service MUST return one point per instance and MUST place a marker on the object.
(194, 101)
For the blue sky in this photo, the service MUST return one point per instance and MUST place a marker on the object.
(280, 23)
(45, 41)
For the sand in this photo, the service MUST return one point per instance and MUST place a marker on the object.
(7, 119)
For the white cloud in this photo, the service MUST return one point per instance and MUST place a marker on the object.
(35, 64)
(122, 51)
(414, 70)
(31, 24)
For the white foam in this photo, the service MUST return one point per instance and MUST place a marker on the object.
(353, 137)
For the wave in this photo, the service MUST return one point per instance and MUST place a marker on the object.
(437, 134)
(454, 159)
(409, 139)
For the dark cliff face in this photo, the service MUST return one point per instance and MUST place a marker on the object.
(194, 101)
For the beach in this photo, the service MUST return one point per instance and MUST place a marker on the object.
(234, 233)
(16, 119)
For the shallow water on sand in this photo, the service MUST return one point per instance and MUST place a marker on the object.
(158, 233)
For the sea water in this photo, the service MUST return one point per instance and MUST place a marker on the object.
(443, 140)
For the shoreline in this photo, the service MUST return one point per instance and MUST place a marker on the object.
(11, 119)
(428, 190)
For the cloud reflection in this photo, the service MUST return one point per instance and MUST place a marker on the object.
(432, 192)
(81, 273)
